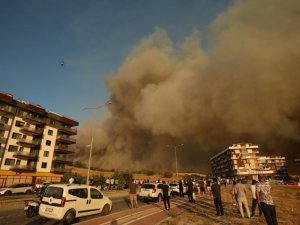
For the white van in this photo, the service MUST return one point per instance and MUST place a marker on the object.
(69, 201)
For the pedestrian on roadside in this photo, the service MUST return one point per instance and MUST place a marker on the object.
(240, 191)
(133, 190)
(166, 195)
(216, 191)
(254, 199)
(208, 187)
(181, 194)
(233, 194)
(263, 194)
(190, 190)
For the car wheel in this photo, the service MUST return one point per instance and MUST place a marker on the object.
(158, 198)
(69, 217)
(105, 210)
(8, 193)
(28, 192)
(30, 212)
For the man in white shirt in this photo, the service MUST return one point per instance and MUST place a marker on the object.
(240, 190)
(254, 199)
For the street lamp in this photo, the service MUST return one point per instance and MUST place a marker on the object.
(91, 145)
(175, 151)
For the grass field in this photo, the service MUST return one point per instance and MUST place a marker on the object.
(286, 198)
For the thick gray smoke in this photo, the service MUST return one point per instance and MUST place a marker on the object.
(245, 88)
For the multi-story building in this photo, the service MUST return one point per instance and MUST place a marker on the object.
(274, 163)
(34, 143)
(238, 160)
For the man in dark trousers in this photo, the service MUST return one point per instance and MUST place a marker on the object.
(166, 197)
(190, 190)
(181, 194)
(216, 191)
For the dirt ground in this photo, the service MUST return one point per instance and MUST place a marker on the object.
(286, 198)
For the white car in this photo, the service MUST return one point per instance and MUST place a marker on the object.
(151, 191)
(174, 188)
(65, 202)
(17, 189)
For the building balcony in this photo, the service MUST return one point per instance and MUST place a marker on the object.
(62, 159)
(66, 139)
(23, 167)
(2, 139)
(4, 126)
(32, 131)
(68, 130)
(60, 170)
(29, 143)
(33, 120)
(1, 151)
(7, 109)
(63, 149)
(25, 155)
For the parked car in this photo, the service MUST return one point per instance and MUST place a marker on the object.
(17, 189)
(290, 182)
(151, 191)
(41, 189)
(65, 202)
(174, 188)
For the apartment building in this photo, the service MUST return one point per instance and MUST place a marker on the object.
(239, 160)
(35, 144)
(274, 163)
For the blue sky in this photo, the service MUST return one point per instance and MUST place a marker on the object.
(92, 37)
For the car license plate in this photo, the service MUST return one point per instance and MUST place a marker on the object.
(49, 210)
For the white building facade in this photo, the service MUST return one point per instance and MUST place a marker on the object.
(242, 160)
(34, 143)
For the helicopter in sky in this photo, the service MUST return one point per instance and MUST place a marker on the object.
(62, 63)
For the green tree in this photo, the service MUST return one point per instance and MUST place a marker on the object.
(168, 174)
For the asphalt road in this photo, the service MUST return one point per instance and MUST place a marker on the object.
(13, 212)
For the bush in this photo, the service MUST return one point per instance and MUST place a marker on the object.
(168, 174)
(149, 173)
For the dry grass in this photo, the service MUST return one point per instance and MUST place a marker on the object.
(286, 198)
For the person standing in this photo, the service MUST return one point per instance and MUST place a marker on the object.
(181, 194)
(254, 199)
(216, 191)
(166, 196)
(240, 191)
(265, 200)
(133, 190)
(190, 190)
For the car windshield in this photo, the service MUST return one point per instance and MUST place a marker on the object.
(13, 186)
(174, 185)
(148, 186)
(54, 192)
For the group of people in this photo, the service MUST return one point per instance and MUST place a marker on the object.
(260, 192)
(261, 196)
(111, 183)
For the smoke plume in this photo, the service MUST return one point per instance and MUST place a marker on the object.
(243, 88)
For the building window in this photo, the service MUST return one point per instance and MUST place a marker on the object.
(13, 148)
(50, 132)
(44, 165)
(19, 123)
(46, 153)
(21, 149)
(4, 119)
(9, 162)
(18, 162)
(16, 136)
(48, 142)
